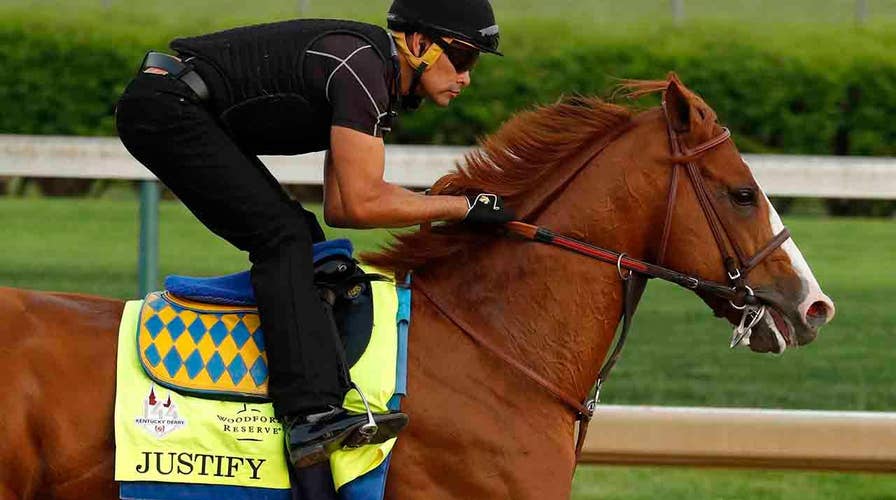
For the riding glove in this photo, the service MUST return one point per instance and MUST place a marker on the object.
(487, 208)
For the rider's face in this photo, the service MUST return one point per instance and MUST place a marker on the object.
(441, 83)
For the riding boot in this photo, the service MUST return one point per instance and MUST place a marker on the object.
(313, 438)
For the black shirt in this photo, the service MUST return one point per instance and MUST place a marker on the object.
(345, 70)
(279, 87)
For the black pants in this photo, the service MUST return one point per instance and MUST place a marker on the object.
(163, 125)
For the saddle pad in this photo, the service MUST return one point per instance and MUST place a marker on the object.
(205, 349)
(164, 438)
(236, 289)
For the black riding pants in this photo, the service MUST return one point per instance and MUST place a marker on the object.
(163, 125)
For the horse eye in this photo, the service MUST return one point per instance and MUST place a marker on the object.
(744, 196)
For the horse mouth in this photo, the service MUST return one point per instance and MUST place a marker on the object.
(773, 334)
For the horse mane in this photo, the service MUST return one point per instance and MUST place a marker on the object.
(512, 163)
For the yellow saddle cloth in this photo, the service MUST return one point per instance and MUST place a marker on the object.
(163, 434)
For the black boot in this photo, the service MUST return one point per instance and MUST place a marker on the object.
(311, 439)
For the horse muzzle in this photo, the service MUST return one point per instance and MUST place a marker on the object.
(786, 325)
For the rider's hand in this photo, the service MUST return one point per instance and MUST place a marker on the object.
(487, 208)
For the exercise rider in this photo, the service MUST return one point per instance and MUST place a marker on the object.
(199, 119)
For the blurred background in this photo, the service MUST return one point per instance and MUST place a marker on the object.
(796, 77)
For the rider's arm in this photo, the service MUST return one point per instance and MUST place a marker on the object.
(355, 194)
(347, 71)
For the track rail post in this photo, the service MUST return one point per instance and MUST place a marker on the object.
(148, 254)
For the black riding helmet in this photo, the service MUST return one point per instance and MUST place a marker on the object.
(471, 21)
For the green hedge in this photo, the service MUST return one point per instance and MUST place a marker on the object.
(806, 90)
(774, 99)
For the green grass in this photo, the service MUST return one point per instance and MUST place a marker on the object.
(677, 354)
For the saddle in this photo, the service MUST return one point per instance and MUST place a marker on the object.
(203, 337)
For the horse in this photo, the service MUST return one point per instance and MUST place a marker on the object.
(484, 422)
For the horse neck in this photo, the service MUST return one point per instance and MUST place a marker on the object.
(555, 311)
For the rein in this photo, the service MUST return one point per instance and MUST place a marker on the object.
(736, 291)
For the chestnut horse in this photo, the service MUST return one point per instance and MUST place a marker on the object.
(591, 170)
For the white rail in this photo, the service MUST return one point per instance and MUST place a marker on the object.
(728, 437)
(420, 166)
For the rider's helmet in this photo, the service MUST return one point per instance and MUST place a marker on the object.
(460, 29)
(471, 21)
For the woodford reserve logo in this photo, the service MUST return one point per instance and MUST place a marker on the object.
(159, 419)
(249, 424)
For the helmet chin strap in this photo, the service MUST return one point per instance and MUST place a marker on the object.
(420, 64)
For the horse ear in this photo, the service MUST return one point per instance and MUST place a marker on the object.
(677, 106)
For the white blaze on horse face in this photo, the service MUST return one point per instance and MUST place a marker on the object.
(811, 289)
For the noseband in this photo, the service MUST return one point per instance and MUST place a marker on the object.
(737, 266)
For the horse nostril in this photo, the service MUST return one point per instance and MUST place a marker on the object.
(818, 314)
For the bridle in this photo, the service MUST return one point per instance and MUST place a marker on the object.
(737, 266)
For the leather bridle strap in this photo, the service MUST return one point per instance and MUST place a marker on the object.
(693, 154)
(545, 235)
(670, 209)
(687, 159)
(772, 245)
(736, 268)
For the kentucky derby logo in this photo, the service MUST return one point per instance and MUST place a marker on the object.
(159, 419)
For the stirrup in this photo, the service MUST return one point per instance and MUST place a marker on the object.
(343, 433)
(369, 429)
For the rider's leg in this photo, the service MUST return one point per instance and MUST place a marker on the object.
(307, 366)
(236, 197)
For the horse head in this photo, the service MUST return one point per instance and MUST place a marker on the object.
(794, 305)
(689, 202)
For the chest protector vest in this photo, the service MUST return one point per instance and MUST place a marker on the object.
(255, 75)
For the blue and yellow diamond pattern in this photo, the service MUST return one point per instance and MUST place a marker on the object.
(202, 348)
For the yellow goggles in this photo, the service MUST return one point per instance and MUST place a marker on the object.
(461, 54)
